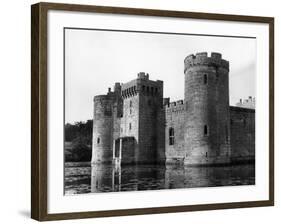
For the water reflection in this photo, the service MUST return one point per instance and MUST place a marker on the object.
(109, 178)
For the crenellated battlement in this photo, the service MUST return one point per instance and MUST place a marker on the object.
(142, 75)
(142, 85)
(176, 106)
(133, 123)
(129, 91)
(203, 59)
(103, 97)
(175, 103)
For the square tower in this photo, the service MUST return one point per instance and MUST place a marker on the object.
(142, 104)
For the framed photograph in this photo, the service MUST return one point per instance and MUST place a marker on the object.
(141, 111)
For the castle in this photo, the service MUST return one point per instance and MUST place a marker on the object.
(134, 124)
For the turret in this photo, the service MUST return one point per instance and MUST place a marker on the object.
(207, 134)
(106, 124)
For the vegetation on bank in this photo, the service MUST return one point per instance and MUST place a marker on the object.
(78, 141)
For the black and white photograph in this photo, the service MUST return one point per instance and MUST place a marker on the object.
(157, 111)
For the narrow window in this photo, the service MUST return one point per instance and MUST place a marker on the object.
(206, 154)
(143, 88)
(149, 102)
(205, 79)
(107, 110)
(205, 130)
(226, 133)
(245, 122)
(98, 140)
(130, 111)
(171, 136)
(131, 103)
(130, 126)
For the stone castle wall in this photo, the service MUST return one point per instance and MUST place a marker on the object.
(150, 104)
(102, 129)
(141, 105)
(201, 129)
(108, 110)
(129, 121)
(175, 121)
(207, 117)
(128, 150)
(242, 138)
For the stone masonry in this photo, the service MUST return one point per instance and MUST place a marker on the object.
(134, 124)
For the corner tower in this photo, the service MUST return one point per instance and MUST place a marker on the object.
(106, 124)
(207, 135)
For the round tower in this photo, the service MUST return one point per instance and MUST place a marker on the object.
(102, 129)
(207, 134)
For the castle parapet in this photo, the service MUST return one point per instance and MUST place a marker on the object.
(142, 85)
(117, 87)
(203, 59)
(102, 97)
(247, 103)
(129, 91)
(142, 75)
(176, 106)
(166, 101)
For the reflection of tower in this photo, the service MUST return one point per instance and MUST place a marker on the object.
(207, 99)
(105, 177)
(116, 178)
(142, 99)
(189, 177)
(97, 177)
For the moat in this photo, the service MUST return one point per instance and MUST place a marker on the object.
(81, 178)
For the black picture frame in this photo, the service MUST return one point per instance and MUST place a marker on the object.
(39, 106)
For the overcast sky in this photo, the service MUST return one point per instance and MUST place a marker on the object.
(95, 60)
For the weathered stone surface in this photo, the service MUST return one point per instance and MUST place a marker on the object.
(205, 129)
(242, 126)
(142, 102)
(102, 129)
(175, 118)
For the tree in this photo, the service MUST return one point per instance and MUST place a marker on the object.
(79, 139)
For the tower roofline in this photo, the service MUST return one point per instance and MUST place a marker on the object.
(202, 59)
(142, 77)
(142, 84)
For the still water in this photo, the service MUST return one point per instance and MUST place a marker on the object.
(81, 178)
